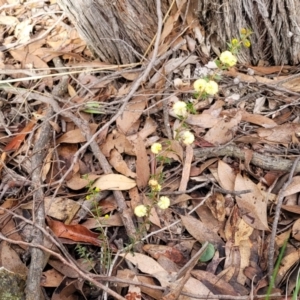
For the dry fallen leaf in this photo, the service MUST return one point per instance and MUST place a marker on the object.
(142, 163)
(116, 160)
(253, 205)
(148, 266)
(75, 136)
(279, 134)
(200, 232)
(114, 182)
(77, 233)
(223, 131)
(226, 176)
(217, 285)
(16, 142)
(293, 187)
(131, 114)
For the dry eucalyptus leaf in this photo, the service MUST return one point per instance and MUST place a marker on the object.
(201, 232)
(131, 114)
(114, 182)
(116, 160)
(149, 266)
(142, 163)
(293, 187)
(279, 134)
(75, 136)
(223, 131)
(226, 176)
(253, 205)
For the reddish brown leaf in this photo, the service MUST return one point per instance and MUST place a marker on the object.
(160, 250)
(77, 233)
(19, 138)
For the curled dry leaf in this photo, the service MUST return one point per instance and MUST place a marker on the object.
(114, 182)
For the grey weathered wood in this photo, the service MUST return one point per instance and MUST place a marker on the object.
(117, 31)
(276, 26)
(120, 30)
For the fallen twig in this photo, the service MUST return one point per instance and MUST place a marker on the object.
(33, 289)
(263, 161)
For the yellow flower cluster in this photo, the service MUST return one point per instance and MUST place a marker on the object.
(199, 85)
(234, 42)
(154, 185)
(243, 31)
(187, 137)
(140, 210)
(164, 202)
(227, 58)
(246, 43)
(210, 87)
(156, 148)
(179, 108)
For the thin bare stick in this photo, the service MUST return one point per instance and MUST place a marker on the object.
(33, 289)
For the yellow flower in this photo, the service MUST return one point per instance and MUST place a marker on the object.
(179, 108)
(153, 182)
(246, 43)
(243, 31)
(155, 186)
(88, 197)
(106, 216)
(156, 148)
(187, 137)
(234, 42)
(97, 189)
(211, 87)
(164, 202)
(140, 210)
(228, 58)
(199, 85)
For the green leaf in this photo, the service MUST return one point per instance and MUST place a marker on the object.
(93, 107)
(208, 253)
